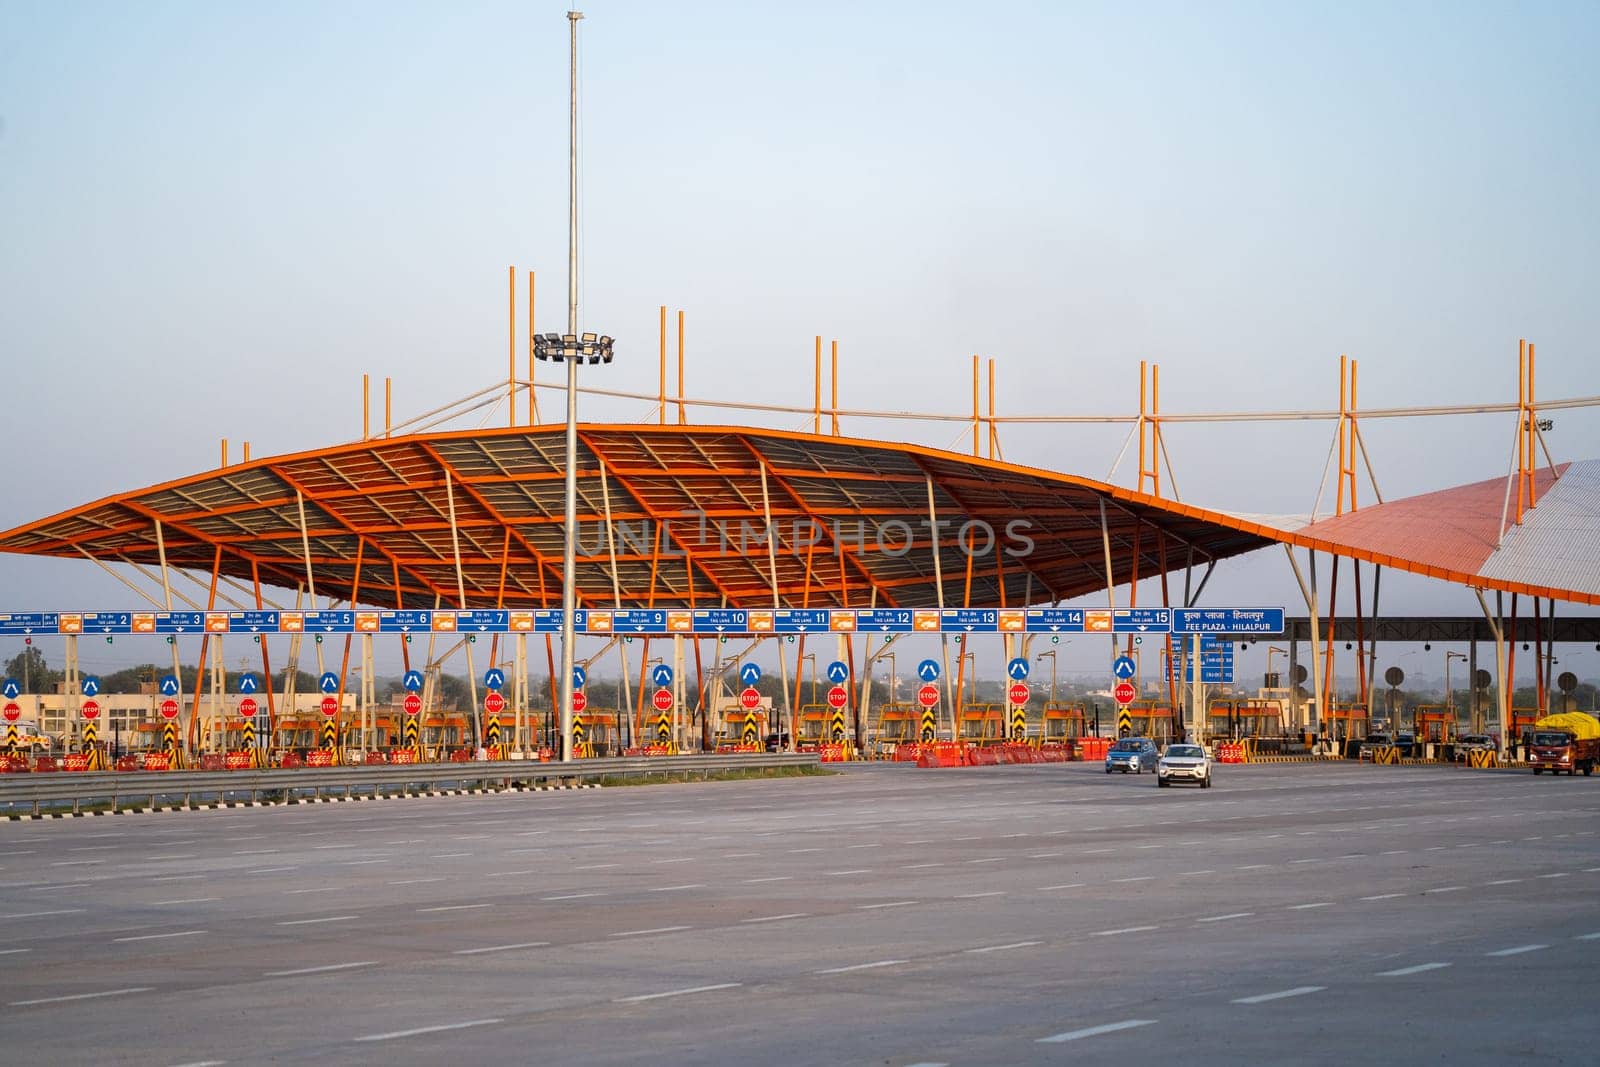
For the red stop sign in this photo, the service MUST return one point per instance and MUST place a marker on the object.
(13, 712)
(247, 707)
(330, 706)
(494, 703)
(169, 709)
(837, 697)
(1018, 693)
(579, 701)
(1124, 692)
(412, 704)
(662, 700)
(928, 695)
(750, 699)
(91, 710)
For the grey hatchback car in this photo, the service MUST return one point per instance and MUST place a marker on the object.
(1132, 754)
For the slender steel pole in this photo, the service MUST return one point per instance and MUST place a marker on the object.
(569, 548)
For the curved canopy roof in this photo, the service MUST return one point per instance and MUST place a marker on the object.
(385, 522)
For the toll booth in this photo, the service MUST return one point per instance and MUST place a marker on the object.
(1152, 719)
(599, 730)
(731, 732)
(983, 724)
(1522, 719)
(811, 726)
(1063, 722)
(1347, 722)
(1222, 721)
(442, 732)
(897, 725)
(1434, 724)
(296, 733)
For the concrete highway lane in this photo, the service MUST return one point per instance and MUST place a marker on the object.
(889, 915)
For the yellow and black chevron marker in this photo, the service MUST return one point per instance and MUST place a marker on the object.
(11, 737)
(1124, 723)
(257, 759)
(491, 735)
(409, 736)
(836, 727)
(751, 734)
(330, 735)
(664, 728)
(169, 744)
(1019, 723)
(928, 730)
(91, 747)
(580, 739)
(1482, 757)
(1386, 754)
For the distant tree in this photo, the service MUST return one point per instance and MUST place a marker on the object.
(31, 671)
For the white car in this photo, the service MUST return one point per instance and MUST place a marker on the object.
(1184, 763)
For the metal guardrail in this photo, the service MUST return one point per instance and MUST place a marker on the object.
(131, 787)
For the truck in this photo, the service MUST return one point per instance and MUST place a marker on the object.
(1569, 742)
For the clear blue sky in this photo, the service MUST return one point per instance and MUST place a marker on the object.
(215, 217)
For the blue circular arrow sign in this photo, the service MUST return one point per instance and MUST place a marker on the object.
(248, 682)
(838, 673)
(494, 678)
(928, 670)
(750, 673)
(1018, 669)
(10, 688)
(579, 677)
(90, 685)
(329, 682)
(1124, 667)
(169, 685)
(661, 674)
(412, 681)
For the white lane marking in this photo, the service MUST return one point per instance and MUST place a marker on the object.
(1445, 889)
(1516, 950)
(1123, 930)
(676, 888)
(1557, 874)
(774, 878)
(75, 863)
(309, 922)
(157, 937)
(1252, 866)
(739, 855)
(860, 967)
(428, 1030)
(179, 877)
(990, 859)
(81, 996)
(919, 866)
(256, 852)
(1580, 937)
(1065, 885)
(596, 866)
(271, 870)
(798, 850)
(652, 930)
(573, 896)
(1401, 972)
(1393, 852)
(1313, 860)
(1297, 991)
(1591, 870)
(415, 881)
(1094, 1031)
(14, 951)
(775, 918)
(500, 948)
(1183, 874)
(1004, 948)
(676, 993)
(321, 970)
(1095, 851)
(1225, 918)
(359, 863)
(203, 1063)
(511, 874)
(451, 855)
(1046, 855)
(975, 896)
(36, 914)
(839, 874)
(454, 907)
(1504, 881)
(320, 889)
(891, 904)
(1307, 907)
(186, 900)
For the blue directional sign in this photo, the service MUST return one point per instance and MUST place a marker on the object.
(403, 622)
(169, 685)
(661, 675)
(800, 620)
(482, 620)
(331, 622)
(180, 622)
(639, 621)
(884, 620)
(494, 678)
(10, 688)
(1124, 667)
(329, 682)
(1227, 620)
(970, 620)
(1141, 620)
(249, 683)
(1017, 669)
(254, 621)
(1055, 620)
(720, 620)
(838, 673)
(412, 681)
(750, 673)
(90, 685)
(108, 622)
(928, 670)
(20, 623)
(579, 677)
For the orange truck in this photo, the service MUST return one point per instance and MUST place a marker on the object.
(1569, 742)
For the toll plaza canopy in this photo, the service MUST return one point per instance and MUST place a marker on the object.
(476, 519)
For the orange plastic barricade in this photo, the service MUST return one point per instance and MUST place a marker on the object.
(943, 754)
(157, 761)
(212, 761)
(1054, 752)
(319, 757)
(910, 752)
(237, 761)
(75, 761)
(403, 755)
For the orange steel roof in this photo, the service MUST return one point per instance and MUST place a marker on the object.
(687, 502)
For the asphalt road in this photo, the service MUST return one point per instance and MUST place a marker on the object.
(888, 915)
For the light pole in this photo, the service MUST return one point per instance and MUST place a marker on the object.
(1271, 651)
(812, 656)
(572, 349)
(893, 686)
(1052, 655)
(1449, 697)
